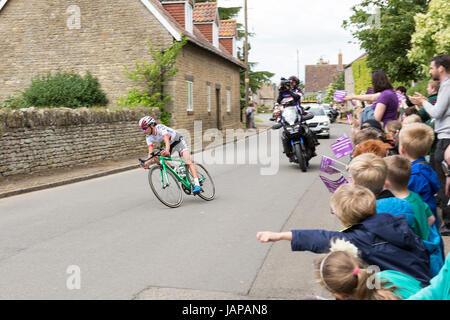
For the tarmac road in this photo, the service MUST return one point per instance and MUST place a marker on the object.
(110, 238)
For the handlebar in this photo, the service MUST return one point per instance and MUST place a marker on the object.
(156, 153)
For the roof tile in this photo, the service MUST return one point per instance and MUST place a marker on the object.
(205, 12)
(227, 28)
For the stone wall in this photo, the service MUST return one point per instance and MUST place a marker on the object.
(84, 35)
(33, 140)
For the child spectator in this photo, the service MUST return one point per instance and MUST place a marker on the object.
(364, 135)
(411, 110)
(432, 89)
(415, 141)
(392, 131)
(413, 118)
(376, 147)
(346, 276)
(399, 171)
(383, 239)
(398, 174)
(370, 171)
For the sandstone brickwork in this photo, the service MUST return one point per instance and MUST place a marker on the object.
(33, 140)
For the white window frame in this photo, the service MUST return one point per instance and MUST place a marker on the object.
(208, 95)
(215, 35)
(228, 100)
(188, 19)
(190, 95)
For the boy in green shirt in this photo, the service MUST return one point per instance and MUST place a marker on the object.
(399, 171)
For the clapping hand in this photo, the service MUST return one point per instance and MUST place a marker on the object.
(418, 99)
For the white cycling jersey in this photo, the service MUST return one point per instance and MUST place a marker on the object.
(161, 132)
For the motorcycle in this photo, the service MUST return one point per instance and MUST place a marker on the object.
(333, 114)
(295, 129)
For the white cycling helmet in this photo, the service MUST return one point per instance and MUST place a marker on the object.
(146, 121)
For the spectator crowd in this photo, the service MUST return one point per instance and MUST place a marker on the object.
(395, 209)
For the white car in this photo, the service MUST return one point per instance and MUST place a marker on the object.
(320, 124)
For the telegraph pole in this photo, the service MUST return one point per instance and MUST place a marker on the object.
(246, 80)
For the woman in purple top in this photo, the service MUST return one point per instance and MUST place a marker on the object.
(385, 99)
(386, 106)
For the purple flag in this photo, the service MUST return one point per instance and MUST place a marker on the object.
(339, 95)
(342, 147)
(333, 185)
(349, 117)
(327, 166)
(400, 98)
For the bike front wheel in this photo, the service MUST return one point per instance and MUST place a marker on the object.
(165, 186)
(300, 157)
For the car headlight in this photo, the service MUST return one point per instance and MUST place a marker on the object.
(324, 124)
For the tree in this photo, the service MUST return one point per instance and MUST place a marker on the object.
(154, 75)
(386, 34)
(338, 84)
(432, 35)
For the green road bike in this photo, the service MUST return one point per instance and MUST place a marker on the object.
(168, 181)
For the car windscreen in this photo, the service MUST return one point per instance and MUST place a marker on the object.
(317, 112)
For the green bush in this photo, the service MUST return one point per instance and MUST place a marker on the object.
(14, 102)
(361, 75)
(420, 87)
(64, 89)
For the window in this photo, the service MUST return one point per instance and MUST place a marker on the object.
(190, 95)
(208, 95)
(228, 100)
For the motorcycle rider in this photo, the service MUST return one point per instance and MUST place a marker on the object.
(290, 89)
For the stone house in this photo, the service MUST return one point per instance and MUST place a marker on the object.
(349, 78)
(104, 36)
(319, 76)
(266, 95)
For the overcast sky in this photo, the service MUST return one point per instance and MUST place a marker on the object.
(314, 27)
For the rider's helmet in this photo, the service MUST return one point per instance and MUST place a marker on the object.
(146, 121)
(294, 78)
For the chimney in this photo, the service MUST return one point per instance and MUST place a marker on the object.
(228, 36)
(206, 20)
(181, 11)
(340, 64)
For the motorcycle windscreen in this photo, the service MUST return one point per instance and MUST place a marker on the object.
(290, 115)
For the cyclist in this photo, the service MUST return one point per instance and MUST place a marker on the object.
(158, 133)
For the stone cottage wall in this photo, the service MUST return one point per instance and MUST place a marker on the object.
(33, 140)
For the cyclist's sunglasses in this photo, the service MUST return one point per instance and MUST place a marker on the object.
(145, 128)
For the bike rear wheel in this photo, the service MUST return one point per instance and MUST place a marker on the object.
(206, 181)
(165, 187)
